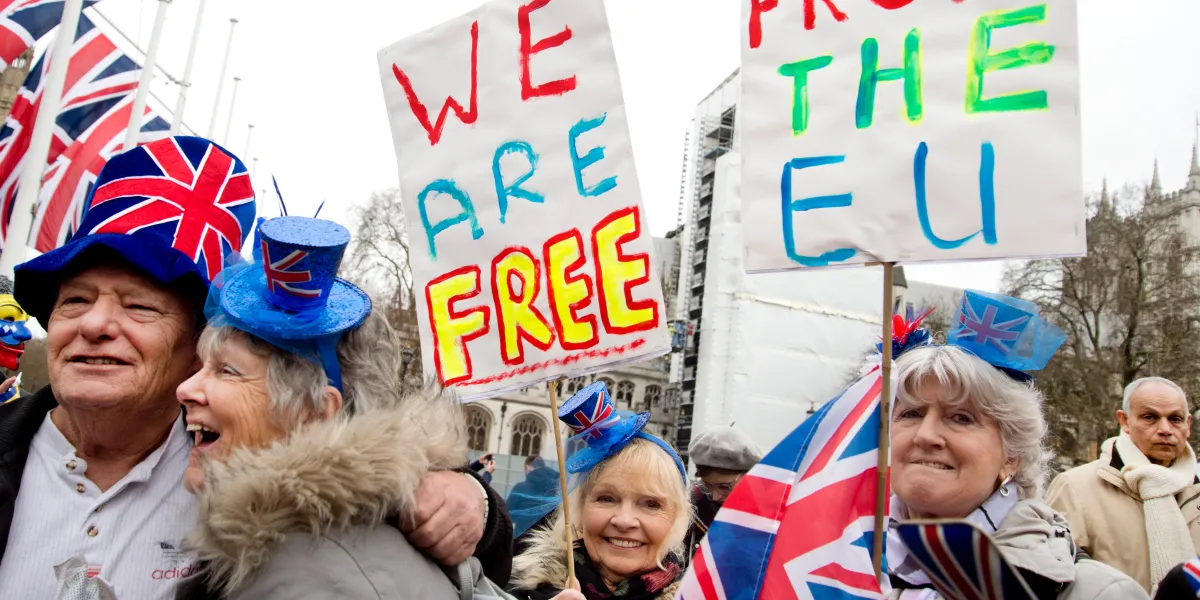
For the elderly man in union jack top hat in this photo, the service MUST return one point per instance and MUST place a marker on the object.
(91, 467)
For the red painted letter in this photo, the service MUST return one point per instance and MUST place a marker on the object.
(810, 13)
(894, 4)
(528, 48)
(468, 117)
(757, 8)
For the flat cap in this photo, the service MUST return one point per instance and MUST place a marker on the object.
(724, 448)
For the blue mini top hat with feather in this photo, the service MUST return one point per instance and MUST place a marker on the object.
(600, 431)
(290, 295)
(1007, 333)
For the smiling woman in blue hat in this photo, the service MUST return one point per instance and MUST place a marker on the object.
(629, 505)
(305, 448)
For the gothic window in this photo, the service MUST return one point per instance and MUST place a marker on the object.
(527, 431)
(574, 385)
(653, 396)
(608, 384)
(623, 396)
(479, 426)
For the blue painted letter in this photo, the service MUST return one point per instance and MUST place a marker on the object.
(790, 207)
(593, 156)
(515, 190)
(448, 187)
(987, 198)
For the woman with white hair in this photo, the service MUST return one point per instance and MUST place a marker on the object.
(967, 435)
(305, 449)
(630, 513)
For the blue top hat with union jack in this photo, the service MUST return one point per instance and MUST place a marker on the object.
(291, 296)
(1005, 332)
(174, 209)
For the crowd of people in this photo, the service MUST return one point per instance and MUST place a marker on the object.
(235, 433)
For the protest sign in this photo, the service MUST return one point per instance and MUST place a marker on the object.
(530, 247)
(909, 131)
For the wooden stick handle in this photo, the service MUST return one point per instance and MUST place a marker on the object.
(885, 419)
(562, 479)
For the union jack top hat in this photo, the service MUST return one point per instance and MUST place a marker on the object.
(291, 297)
(1005, 332)
(174, 209)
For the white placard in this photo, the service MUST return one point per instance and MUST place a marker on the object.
(909, 130)
(530, 247)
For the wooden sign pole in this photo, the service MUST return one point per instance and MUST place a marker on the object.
(562, 478)
(885, 418)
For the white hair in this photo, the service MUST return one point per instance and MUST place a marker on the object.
(1015, 406)
(368, 355)
(1137, 383)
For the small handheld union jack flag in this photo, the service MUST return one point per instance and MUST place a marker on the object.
(962, 561)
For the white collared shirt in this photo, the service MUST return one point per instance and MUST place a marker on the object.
(131, 535)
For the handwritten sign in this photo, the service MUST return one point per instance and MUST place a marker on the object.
(909, 130)
(531, 251)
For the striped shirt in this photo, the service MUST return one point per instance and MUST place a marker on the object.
(130, 535)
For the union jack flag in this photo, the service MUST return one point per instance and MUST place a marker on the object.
(280, 278)
(198, 200)
(801, 523)
(1191, 570)
(24, 22)
(589, 410)
(962, 561)
(99, 78)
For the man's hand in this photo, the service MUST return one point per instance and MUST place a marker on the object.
(491, 466)
(449, 520)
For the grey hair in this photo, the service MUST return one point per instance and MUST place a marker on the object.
(369, 357)
(1137, 383)
(1015, 406)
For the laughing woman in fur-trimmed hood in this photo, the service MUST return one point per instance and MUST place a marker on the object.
(305, 449)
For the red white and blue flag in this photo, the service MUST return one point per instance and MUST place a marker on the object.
(96, 104)
(281, 277)
(1191, 571)
(24, 22)
(801, 523)
(962, 562)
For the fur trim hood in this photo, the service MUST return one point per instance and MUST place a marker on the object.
(326, 477)
(545, 561)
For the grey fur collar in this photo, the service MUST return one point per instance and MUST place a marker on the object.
(545, 561)
(326, 477)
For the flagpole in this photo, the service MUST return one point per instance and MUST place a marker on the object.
(232, 103)
(181, 102)
(249, 133)
(885, 419)
(562, 479)
(30, 182)
(139, 101)
(212, 121)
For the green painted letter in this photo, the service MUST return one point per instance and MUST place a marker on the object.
(980, 61)
(799, 71)
(864, 113)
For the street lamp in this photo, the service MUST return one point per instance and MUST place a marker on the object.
(500, 435)
(406, 356)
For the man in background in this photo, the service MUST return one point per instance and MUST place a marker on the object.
(722, 455)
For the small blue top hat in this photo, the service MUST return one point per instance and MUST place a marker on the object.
(1006, 332)
(174, 208)
(291, 296)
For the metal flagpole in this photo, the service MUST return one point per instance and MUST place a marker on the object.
(254, 170)
(30, 182)
(212, 121)
(232, 103)
(181, 103)
(139, 101)
(249, 133)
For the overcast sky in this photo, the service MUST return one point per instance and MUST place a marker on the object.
(310, 86)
